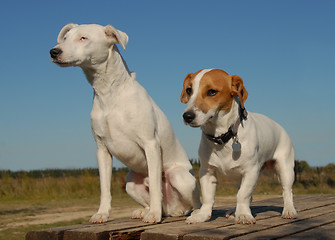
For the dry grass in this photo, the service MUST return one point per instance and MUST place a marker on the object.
(44, 187)
(83, 184)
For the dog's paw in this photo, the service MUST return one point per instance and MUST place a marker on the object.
(152, 217)
(245, 219)
(197, 216)
(230, 213)
(99, 218)
(289, 213)
(139, 213)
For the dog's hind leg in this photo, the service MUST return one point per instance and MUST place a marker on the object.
(285, 169)
(137, 187)
(184, 183)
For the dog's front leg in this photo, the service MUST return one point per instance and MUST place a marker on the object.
(154, 160)
(105, 163)
(244, 196)
(208, 183)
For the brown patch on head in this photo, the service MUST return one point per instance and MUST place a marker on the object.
(214, 91)
(217, 90)
(187, 87)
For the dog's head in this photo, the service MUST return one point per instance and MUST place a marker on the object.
(208, 92)
(85, 45)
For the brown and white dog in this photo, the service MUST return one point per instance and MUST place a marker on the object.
(234, 142)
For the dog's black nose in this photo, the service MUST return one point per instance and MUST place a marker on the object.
(188, 116)
(55, 52)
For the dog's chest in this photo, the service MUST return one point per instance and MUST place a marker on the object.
(109, 129)
(223, 160)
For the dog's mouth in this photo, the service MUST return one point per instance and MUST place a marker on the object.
(63, 63)
(196, 124)
(193, 125)
(196, 119)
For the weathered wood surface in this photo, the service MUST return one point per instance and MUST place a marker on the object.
(316, 220)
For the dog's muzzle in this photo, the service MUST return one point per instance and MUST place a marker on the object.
(189, 116)
(55, 52)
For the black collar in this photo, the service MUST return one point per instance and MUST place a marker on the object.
(232, 130)
(223, 138)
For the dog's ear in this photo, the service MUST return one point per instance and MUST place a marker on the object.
(183, 96)
(64, 30)
(116, 36)
(237, 89)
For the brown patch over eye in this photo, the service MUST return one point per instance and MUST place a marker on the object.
(214, 91)
(187, 87)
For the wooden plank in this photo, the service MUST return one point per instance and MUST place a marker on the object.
(274, 225)
(263, 209)
(102, 231)
(302, 203)
(324, 232)
(58, 232)
(135, 233)
(132, 233)
(177, 230)
(51, 233)
(166, 223)
(293, 228)
(266, 213)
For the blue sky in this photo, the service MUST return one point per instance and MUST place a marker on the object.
(283, 50)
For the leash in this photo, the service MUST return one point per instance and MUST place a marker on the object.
(232, 130)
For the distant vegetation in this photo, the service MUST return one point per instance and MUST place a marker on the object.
(84, 183)
(317, 179)
(57, 184)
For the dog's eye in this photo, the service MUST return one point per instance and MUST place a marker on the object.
(211, 92)
(189, 91)
(83, 39)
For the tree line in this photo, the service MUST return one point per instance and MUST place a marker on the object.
(301, 167)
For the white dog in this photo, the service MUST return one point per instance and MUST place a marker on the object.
(128, 125)
(234, 142)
